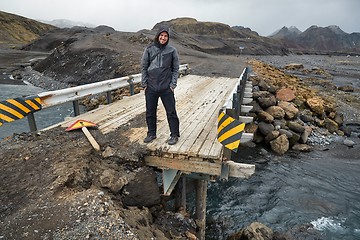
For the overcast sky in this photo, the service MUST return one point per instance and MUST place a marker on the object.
(262, 16)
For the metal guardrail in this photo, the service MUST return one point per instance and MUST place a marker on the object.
(57, 97)
(19, 108)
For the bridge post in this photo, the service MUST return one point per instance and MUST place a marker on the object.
(201, 194)
(180, 194)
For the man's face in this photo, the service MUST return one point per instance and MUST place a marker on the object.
(163, 38)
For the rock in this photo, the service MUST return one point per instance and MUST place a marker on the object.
(290, 110)
(143, 190)
(265, 117)
(349, 143)
(306, 116)
(286, 132)
(251, 127)
(294, 66)
(316, 104)
(265, 128)
(305, 135)
(339, 119)
(346, 130)
(280, 122)
(276, 112)
(271, 136)
(296, 127)
(301, 147)
(108, 152)
(261, 94)
(256, 107)
(294, 138)
(267, 102)
(280, 145)
(255, 231)
(285, 94)
(263, 85)
(330, 125)
(346, 88)
(112, 180)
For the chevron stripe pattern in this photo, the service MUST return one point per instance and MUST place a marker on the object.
(229, 131)
(17, 108)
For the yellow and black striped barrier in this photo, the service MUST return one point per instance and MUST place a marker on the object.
(230, 131)
(17, 108)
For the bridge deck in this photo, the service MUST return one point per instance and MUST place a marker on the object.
(198, 99)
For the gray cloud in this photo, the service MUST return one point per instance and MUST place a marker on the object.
(262, 16)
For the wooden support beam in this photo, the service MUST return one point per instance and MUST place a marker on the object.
(198, 165)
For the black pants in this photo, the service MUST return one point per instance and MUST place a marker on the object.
(168, 100)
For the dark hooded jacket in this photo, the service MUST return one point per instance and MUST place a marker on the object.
(160, 64)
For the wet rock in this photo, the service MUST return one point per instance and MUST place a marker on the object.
(346, 130)
(280, 145)
(255, 231)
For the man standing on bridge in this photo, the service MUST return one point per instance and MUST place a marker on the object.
(160, 70)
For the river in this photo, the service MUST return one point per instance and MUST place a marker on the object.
(321, 188)
(44, 118)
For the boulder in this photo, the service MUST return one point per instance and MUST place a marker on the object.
(296, 127)
(305, 135)
(331, 125)
(265, 128)
(346, 88)
(280, 145)
(267, 101)
(316, 104)
(265, 117)
(288, 134)
(276, 112)
(294, 66)
(255, 231)
(290, 110)
(112, 180)
(285, 94)
(271, 136)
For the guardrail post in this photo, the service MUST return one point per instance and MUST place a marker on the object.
(108, 97)
(32, 122)
(76, 107)
(131, 84)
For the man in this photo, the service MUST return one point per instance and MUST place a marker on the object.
(160, 70)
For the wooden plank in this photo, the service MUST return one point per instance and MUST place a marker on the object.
(206, 167)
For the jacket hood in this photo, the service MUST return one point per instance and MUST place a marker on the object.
(160, 30)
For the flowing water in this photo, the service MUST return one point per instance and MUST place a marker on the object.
(321, 188)
(44, 118)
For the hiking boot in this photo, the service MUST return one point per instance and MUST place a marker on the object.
(173, 140)
(149, 138)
